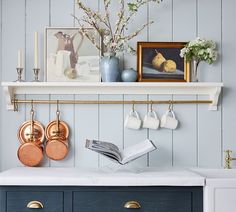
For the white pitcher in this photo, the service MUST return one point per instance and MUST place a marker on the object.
(62, 62)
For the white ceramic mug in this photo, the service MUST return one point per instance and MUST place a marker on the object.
(132, 120)
(151, 121)
(169, 121)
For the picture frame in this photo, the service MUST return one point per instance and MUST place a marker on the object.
(69, 56)
(161, 62)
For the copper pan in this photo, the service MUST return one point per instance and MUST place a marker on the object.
(30, 154)
(57, 127)
(28, 131)
(56, 148)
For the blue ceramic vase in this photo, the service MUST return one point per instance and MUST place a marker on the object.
(129, 75)
(109, 67)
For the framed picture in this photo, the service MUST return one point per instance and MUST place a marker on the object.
(161, 62)
(70, 56)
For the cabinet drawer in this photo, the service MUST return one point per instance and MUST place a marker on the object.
(18, 201)
(150, 201)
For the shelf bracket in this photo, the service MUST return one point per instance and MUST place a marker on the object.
(9, 95)
(214, 97)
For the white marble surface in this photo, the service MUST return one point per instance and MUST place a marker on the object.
(100, 177)
(218, 177)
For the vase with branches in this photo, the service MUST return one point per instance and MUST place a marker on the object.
(113, 38)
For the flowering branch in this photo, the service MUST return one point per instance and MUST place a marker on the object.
(113, 39)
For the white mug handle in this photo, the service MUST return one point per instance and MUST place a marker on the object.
(152, 112)
(134, 113)
(172, 112)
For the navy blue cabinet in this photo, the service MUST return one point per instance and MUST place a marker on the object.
(101, 199)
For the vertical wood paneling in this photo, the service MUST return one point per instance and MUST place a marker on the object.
(11, 44)
(228, 62)
(161, 137)
(175, 20)
(67, 115)
(132, 137)
(1, 92)
(61, 13)
(136, 22)
(209, 124)
(86, 127)
(161, 30)
(209, 26)
(184, 137)
(37, 18)
(110, 124)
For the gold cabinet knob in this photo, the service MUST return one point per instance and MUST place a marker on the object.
(34, 205)
(132, 204)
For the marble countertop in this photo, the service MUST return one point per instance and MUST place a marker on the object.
(99, 177)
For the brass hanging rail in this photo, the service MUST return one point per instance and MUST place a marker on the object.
(20, 101)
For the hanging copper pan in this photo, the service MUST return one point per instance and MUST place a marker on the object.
(30, 154)
(57, 133)
(31, 135)
(56, 148)
(57, 127)
(24, 132)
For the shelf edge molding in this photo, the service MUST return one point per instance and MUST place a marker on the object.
(211, 89)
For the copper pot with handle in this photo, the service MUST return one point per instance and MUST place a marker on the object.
(31, 136)
(57, 133)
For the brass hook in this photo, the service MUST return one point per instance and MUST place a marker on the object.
(133, 108)
(15, 104)
(32, 108)
(58, 118)
(151, 106)
(170, 105)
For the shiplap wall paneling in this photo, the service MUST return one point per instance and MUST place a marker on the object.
(42, 114)
(228, 64)
(161, 30)
(161, 137)
(37, 18)
(131, 136)
(110, 124)
(10, 46)
(184, 20)
(184, 137)
(1, 92)
(136, 22)
(61, 13)
(67, 115)
(209, 124)
(209, 26)
(86, 127)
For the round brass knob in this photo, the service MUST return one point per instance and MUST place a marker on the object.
(34, 205)
(132, 204)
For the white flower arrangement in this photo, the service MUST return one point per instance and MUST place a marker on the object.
(113, 39)
(200, 50)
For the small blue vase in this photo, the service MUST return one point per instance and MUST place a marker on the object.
(109, 67)
(129, 75)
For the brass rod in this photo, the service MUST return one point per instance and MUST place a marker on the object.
(18, 101)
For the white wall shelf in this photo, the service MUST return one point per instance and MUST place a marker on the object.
(212, 90)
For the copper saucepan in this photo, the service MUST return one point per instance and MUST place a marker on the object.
(31, 136)
(57, 133)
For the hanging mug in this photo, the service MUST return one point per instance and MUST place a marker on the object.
(169, 121)
(133, 121)
(151, 120)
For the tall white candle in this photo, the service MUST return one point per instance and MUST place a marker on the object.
(19, 59)
(36, 62)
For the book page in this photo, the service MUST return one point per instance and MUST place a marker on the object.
(105, 148)
(137, 150)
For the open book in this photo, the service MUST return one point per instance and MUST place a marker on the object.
(111, 151)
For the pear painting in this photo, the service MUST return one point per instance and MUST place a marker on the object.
(160, 63)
